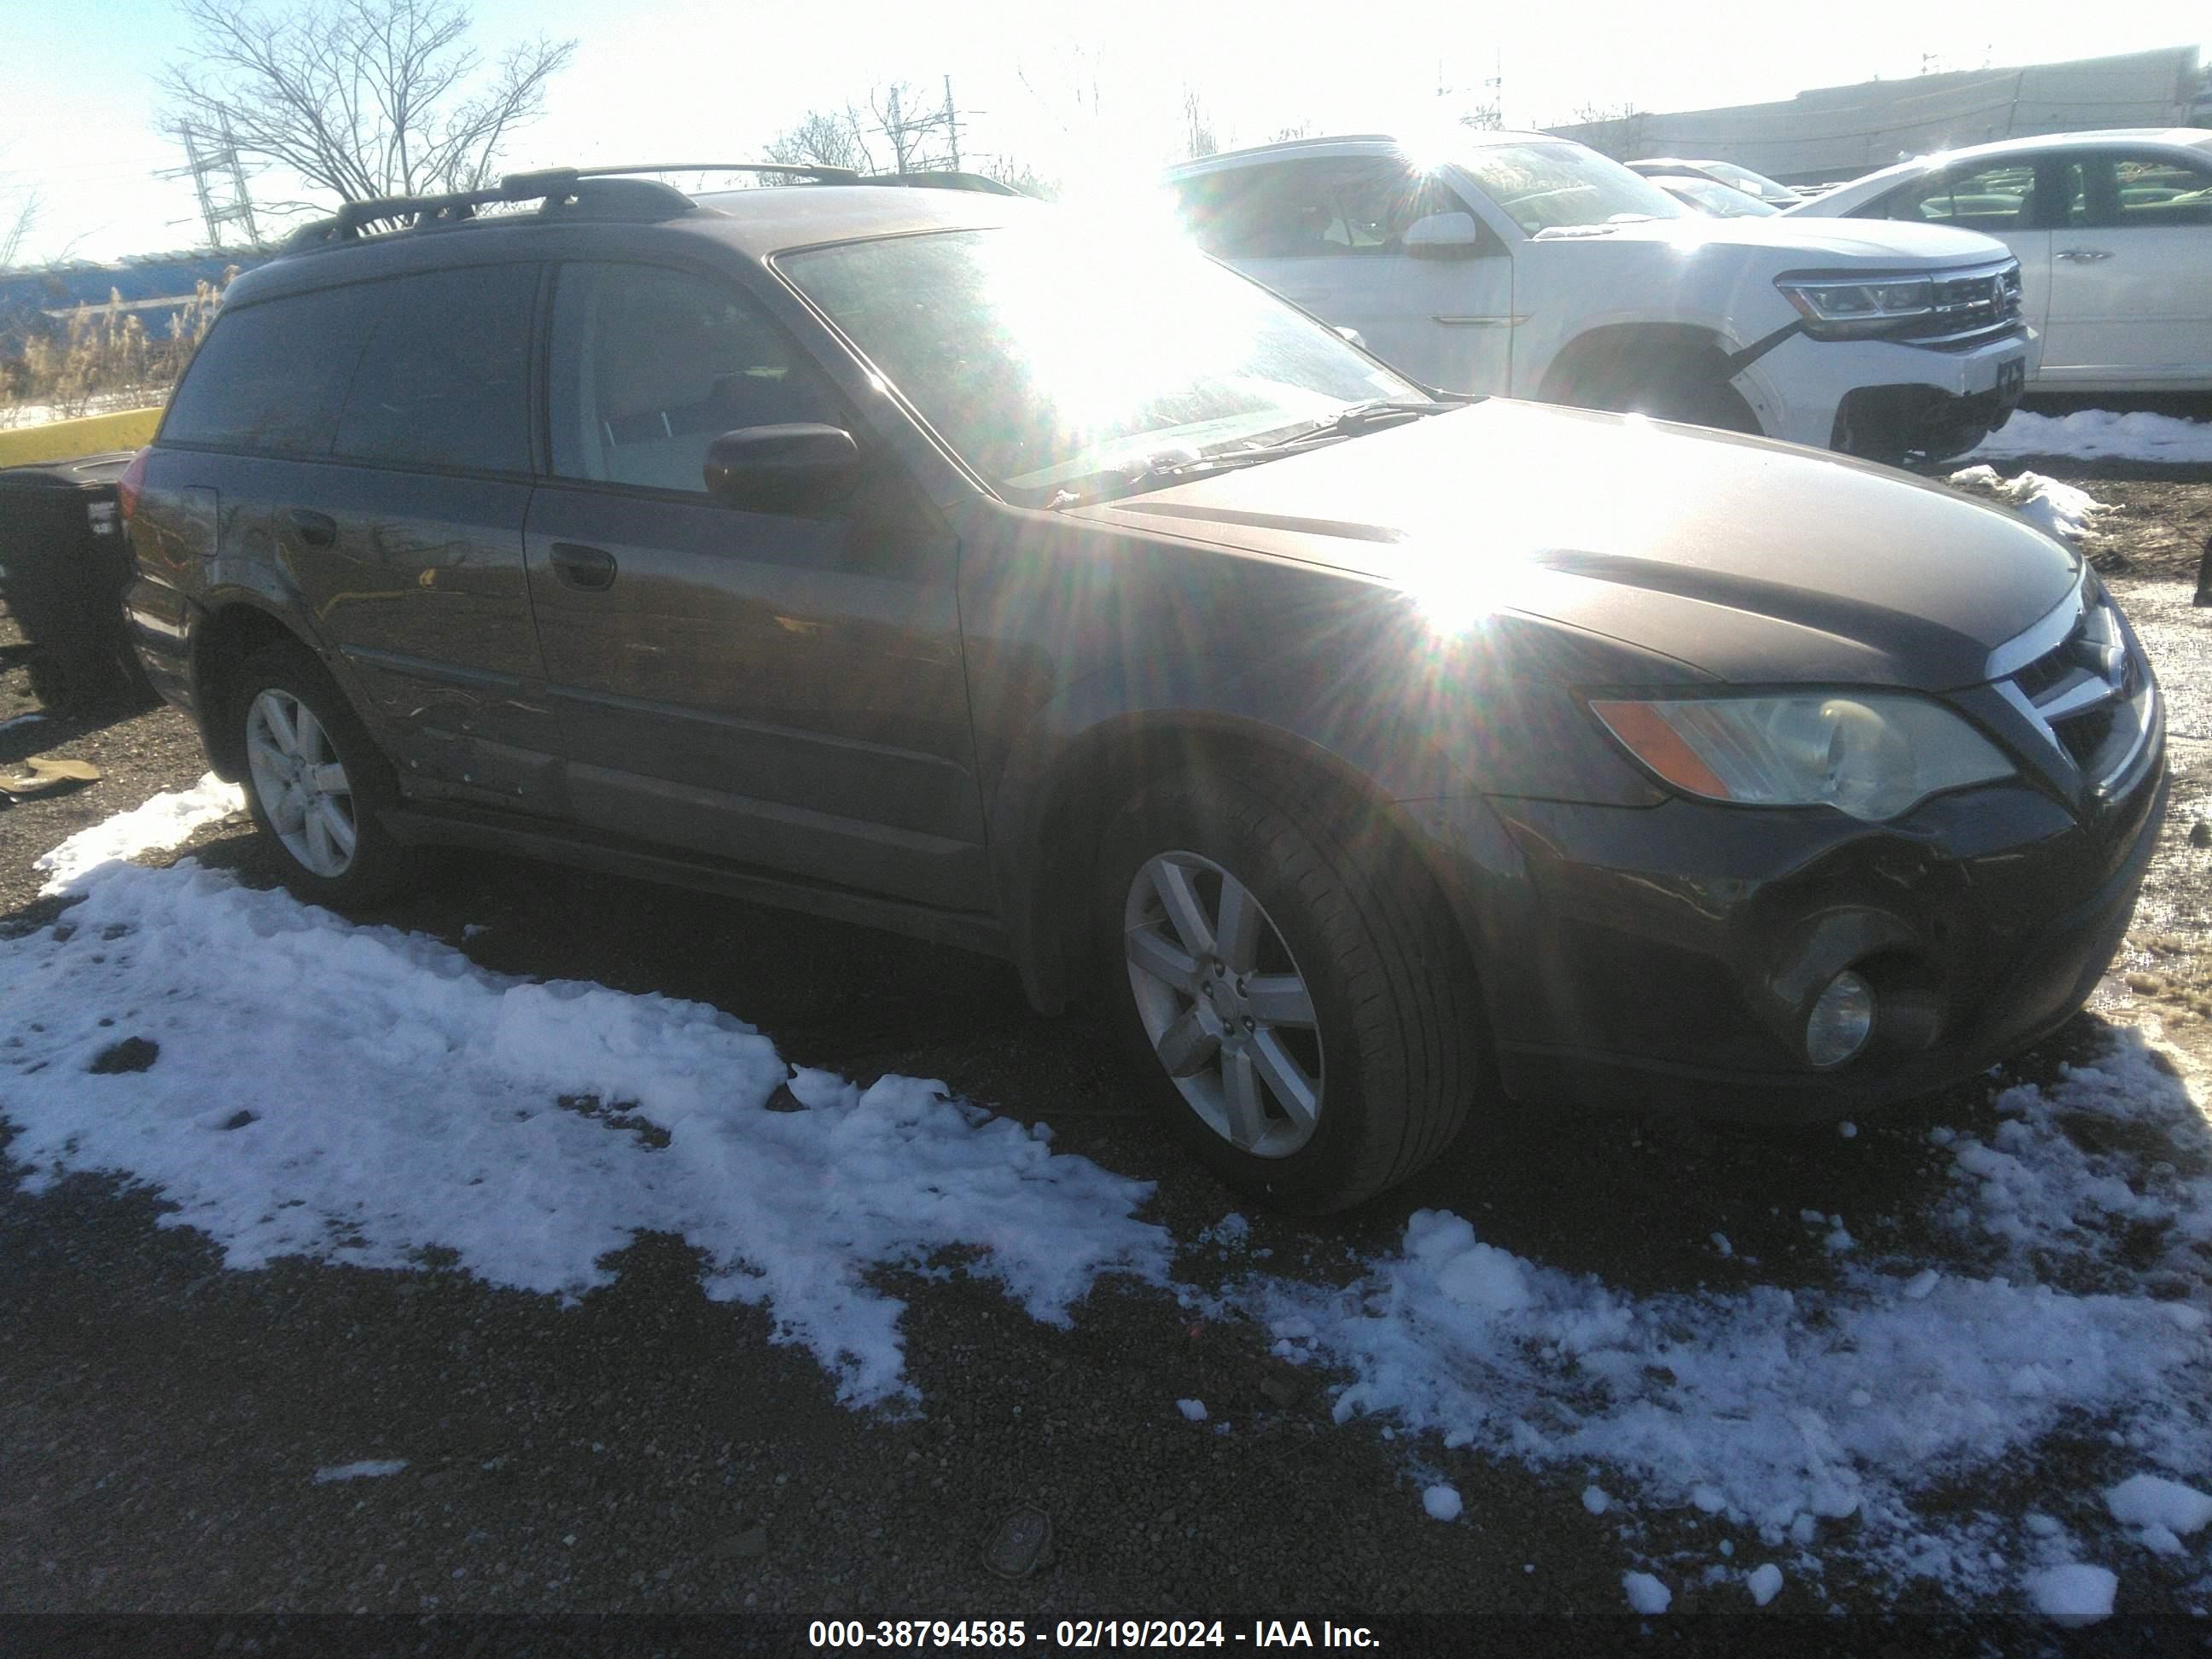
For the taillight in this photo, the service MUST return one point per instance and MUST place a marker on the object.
(127, 486)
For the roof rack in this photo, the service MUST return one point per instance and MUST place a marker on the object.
(585, 192)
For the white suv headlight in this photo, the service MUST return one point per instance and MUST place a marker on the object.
(1847, 310)
(1872, 757)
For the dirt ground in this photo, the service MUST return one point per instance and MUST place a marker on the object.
(648, 1450)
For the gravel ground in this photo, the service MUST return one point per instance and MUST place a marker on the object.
(161, 1419)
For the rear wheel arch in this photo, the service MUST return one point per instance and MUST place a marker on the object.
(222, 644)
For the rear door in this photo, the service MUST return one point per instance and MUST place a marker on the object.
(1328, 233)
(380, 445)
(783, 690)
(2131, 273)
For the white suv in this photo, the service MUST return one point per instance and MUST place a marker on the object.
(1533, 267)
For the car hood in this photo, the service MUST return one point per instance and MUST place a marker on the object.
(1846, 241)
(1750, 560)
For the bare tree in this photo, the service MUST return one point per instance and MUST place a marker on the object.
(823, 139)
(1295, 130)
(1614, 130)
(1198, 137)
(361, 98)
(17, 221)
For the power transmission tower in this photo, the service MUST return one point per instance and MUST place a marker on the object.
(215, 155)
(951, 123)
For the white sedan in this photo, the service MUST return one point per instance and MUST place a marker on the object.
(2113, 233)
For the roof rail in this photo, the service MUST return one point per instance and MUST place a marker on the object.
(563, 191)
(580, 193)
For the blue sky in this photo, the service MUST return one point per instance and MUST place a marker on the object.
(661, 79)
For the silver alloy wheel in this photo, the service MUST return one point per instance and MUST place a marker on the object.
(1223, 1001)
(300, 782)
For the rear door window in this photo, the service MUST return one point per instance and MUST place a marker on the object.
(445, 379)
(272, 378)
(2123, 191)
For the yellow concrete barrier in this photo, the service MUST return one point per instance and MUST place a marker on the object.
(63, 440)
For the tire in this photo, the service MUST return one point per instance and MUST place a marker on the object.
(310, 787)
(1309, 1119)
(1673, 383)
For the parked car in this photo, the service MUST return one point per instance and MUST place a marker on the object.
(1777, 196)
(958, 565)
(2113, 234)
(1534, 267)
(1711, 196)
(63, 570)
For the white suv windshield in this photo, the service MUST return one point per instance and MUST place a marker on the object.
(1558, 185)
(1044, 358)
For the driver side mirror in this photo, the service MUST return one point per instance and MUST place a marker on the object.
(1444, 236)
(782, 469)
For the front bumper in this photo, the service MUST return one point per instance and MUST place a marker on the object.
(1666, 958)
(1884, 398)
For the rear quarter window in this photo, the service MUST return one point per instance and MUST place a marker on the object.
(273, 377)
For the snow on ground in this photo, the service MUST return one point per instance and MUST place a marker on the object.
(370, 1468)
(1821, 1419)
(367, 1096)
(2058, 508)
(167, 820)
(2100, 434)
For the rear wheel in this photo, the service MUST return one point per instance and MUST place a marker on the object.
(1287, 989)
(315, 780)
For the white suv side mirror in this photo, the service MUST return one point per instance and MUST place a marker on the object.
(1444, 236)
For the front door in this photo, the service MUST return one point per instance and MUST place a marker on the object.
(785, 691)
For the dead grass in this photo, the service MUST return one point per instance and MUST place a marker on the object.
(103, 359)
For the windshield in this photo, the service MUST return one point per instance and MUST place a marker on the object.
(1756, 184)
(1718, 200)
(1554, 185)
(1044, 357)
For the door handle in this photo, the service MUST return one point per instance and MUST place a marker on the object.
(591, 568)
(2084, 255)
(315, 529)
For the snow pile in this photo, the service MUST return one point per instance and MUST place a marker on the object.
(1646, 1594)
(167, 820)
(365, 1095)
(2163, 1511)
(1194, 1411)
(2101, 434)
(2074, 1594)
(370, 1469)
(1441, 1503)
(1764, 1583)
(2058, 509)
(1782, 1413)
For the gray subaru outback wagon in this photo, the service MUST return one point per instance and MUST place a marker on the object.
(938, 561)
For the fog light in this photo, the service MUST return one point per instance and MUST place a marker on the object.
(1840, 1021)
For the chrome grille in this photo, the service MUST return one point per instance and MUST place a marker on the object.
(1970, 306)
(2074, 676)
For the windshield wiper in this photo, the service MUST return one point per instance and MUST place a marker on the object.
(1156, 472)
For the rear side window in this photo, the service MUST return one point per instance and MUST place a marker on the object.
(444, 380)
(273, 377)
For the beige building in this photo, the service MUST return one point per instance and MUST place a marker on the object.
(1839, 132)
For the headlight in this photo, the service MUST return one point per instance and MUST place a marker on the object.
(1872, 757)
(1835, 310)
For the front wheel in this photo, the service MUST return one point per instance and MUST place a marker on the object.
(314, 779)
(1287, 989)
